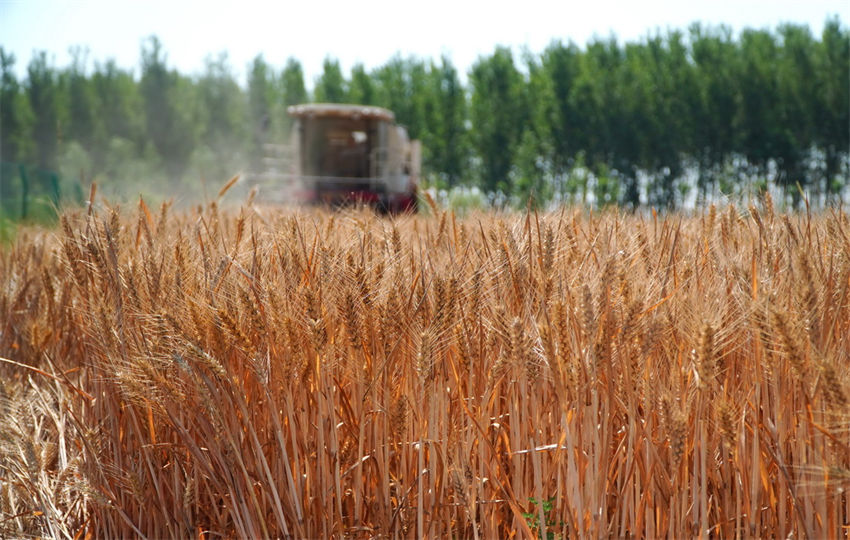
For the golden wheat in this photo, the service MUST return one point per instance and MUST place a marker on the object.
(271, 373)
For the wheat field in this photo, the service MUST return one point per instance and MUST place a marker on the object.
(259, 372)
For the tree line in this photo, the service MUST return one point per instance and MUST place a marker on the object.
(674, 117)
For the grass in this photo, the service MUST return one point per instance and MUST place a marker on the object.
(42, 212)
(260, 372)
(7, 230)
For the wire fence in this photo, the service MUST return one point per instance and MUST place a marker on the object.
(32, 194)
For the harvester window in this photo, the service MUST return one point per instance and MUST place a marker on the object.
(338, 148)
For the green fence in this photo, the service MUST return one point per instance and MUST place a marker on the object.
(32, 194)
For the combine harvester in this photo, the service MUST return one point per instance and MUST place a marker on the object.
(349, 154)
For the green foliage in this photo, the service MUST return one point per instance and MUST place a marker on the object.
(463, 200)
(42, 90)
(533, 519)
(531, 179)
(74, 161)
(292, 83)
(606, 189)
(331, 85)
(125, 171)
(672, 118)
(714, 57)
(499, 114)
(33, 195)
(15, 112)
(292, 90)
(83, 122)
(832, 108)
(448, 151)
(575, 184)
(7, 230)
(118, 108)
(362, 87)
(223, 114)
(261, 110)
(168, 113)
(400, 87)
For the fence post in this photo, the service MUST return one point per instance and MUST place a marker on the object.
(25, 189)
(55, 195)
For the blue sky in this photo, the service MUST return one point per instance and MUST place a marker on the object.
(367, 32)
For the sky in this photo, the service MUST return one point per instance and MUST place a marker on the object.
(361, 32)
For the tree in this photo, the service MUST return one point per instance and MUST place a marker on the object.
(42, 90)
(82, 120)
(120, 140)
(638, 127)
(118, 104)
(223, 106)
(598, 111)
(15, 115)
(292, 83)
(758, 122)
(401, 87)
(331, 85)
(605, 118)
(170, 127)
(659, 128)
(714, 138)
(530, 174)
(533, 162)
(292, 89)
(361, 90)
(561, 64)
(449, 145)
(260, 99)
(498, 112)
(794, 72)
(832, 116)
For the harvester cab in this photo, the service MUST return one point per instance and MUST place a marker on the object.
(344, 154)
